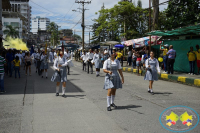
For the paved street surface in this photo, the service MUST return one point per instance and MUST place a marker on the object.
(30, 104)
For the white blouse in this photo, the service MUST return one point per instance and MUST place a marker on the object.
(60, 61)
(157, 64)
(105, 66)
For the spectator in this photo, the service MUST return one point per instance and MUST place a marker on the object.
(191, 58)
(165, 58)
(119, 55)
(138, 61)
(2, 63)
(145, 57)
(129, 57)
(9, 59)
(198, 58)
(28, 62)
(16, 62)
(171, 59)
(134, 58)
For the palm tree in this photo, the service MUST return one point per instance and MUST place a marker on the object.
(10, 31)
(53, 29)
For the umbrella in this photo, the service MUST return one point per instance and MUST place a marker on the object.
(119, 46)
(109, 42)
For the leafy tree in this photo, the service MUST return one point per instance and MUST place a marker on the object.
(77, 36)
(182, 13)
(139, 3)
(53, 29)
(10, 31)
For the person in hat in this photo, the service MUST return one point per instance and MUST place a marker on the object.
(198, 58)
(165, 57)
(112, 79)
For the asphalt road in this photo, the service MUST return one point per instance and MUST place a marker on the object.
(30, 104)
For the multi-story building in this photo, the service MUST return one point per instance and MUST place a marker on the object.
(19, 16)
(39, 24)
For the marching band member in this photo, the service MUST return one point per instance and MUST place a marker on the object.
(44, 64)
(51, 56)
(67, 56)
(84, 57)
(112, 79)
(153, 69)
(97, 61)
(60, 64)
(89, 59)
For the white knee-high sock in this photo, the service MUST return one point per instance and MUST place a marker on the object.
(63, 90)
(112, 99)
(46, 74)
(108, 100)
(57, 89)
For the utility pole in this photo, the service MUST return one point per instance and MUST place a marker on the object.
(83, 2)
(149, 26)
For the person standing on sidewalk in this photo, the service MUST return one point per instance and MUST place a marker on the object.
(138, 61)
(191, 57)
(153, 69)
(198, 58)
(16, 63)
(60, 64)
(129, 57)
(171, 59)
(89, 59)
(165, 57)
(112, 79)
(2, 63)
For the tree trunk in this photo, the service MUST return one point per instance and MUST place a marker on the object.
(155, 4)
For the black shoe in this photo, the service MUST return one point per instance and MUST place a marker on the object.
(35, 71)
(57, 94)
(149, 91)
(91, 73)
(63, 95)
(113, 105)
(68, 74)
(109, 108)
(152, 93)
(1, 92)
(46, 77)
(42, 76)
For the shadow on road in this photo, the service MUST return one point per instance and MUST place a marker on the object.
(128, 107)
(163, 93)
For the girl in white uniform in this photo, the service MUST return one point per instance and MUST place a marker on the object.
(97, 61)
(60, 76)
(44, 64)
(84, 58)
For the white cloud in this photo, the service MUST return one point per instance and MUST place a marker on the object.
(61, 11)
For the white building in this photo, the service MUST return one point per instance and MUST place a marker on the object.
(19, 17)
(39, 24)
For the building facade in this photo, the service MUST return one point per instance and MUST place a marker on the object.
(39, 24)
(19, 17)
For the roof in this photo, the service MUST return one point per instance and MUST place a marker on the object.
(194, 29)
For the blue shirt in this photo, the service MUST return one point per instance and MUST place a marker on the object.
(171, 54)
(9, 57)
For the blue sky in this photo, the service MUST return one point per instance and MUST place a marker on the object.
(60, 11)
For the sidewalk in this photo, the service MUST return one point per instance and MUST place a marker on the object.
(193, 80)
(179, 77)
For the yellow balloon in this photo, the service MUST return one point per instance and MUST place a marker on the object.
(160, 59)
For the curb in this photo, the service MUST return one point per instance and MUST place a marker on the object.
(168, 77)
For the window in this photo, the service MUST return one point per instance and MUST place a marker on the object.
(6, 23)
(15, 24)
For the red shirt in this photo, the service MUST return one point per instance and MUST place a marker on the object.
(139, 59)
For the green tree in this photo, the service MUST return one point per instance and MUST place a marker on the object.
(77, 37)
(53, 29)
(139, 3)
(11, 32)
(182, 13)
